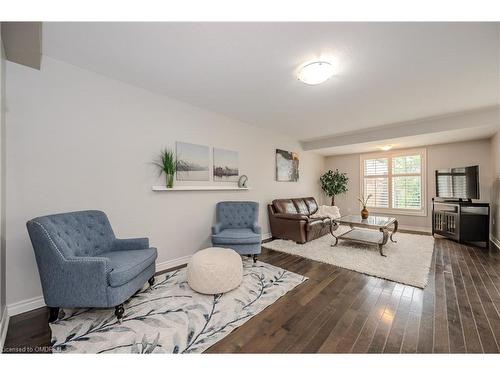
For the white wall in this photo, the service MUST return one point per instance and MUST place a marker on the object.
(2, 184)
(78, 140)
(495, 189)
(438, 156)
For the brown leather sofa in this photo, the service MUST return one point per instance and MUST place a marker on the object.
(290, 220)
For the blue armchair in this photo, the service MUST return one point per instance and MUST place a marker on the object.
(82, 264)
(237, 227)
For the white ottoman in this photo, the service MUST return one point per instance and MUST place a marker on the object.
(215, 270)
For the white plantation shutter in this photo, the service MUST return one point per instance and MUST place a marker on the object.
(378, 188)
(395, 180)
(406, 192)
(407, 182)
(376, 182)
(376, 167)
(406, 164)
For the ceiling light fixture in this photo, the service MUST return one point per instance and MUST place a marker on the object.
(386, 148)
(316, 72)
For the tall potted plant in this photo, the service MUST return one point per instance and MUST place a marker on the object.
(334, 183)
(167, 164)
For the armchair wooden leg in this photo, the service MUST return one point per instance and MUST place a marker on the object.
(151, 281)
(255, 258)
(119, 310)
(53, 314)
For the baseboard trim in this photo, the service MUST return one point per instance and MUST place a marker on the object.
(416, 229)
(162, 266)
(266, 236)
(495, 241)
(23, 306)
(4, 326)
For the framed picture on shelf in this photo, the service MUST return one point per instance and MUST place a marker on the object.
(225, 165)
(192, 162)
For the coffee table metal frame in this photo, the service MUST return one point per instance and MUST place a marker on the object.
(383, 228)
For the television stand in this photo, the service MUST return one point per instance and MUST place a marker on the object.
(453, 200)
(461, 221)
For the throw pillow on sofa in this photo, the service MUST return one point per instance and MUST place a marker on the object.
(332, 212)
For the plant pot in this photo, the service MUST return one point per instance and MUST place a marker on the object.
(170, 180)
(364, 213)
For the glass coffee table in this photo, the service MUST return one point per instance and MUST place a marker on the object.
(372, 231)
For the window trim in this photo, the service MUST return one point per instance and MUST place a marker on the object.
(391, 154)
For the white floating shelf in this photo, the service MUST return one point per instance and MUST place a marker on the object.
(198, 188)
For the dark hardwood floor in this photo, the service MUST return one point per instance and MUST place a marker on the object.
(341, 311)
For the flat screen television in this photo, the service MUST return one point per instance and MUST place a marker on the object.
(458, 183)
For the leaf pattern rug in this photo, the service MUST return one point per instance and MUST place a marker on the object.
(170, 317)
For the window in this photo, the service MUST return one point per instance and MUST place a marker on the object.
(395, 180)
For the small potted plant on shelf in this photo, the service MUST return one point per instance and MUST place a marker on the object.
(334, 183)
(364, 202)
(167, 164)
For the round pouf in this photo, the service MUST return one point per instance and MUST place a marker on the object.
(215, 270)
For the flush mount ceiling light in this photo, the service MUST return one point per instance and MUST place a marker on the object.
(316, 72)
(386, 147)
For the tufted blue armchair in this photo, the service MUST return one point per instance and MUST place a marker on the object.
(82, 264)
(237, 227)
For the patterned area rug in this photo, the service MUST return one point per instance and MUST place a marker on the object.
(408, 261)
(171, 317)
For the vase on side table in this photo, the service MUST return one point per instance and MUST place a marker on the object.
(364, 213)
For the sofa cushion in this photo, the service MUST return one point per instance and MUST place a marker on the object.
(236, 236)
(316, 223)
(331, 212)
(284, 206)
(301, 206)
(126, 265)
(311, 204)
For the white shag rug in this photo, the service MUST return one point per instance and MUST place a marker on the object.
(171, 317)
(408, 261)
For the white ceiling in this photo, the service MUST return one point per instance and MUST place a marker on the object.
(389, 72)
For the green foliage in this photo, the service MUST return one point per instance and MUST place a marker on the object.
(167, 162)
(334, 183)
